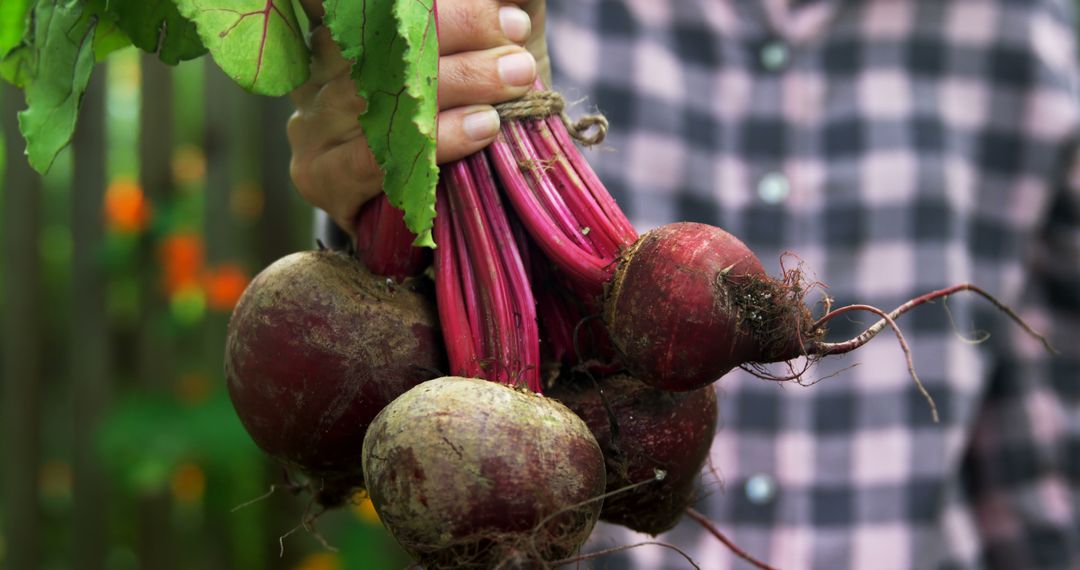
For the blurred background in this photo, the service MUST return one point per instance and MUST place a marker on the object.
(119, 448)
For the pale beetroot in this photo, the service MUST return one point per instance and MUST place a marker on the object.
(316, 347)
(468, 473)
(642, 429)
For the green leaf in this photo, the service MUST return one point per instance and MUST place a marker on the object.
(15, 65)
(258, 43)
(395, 56)
(60, 61)
(156, 26)
(13, 23)
(108, 37)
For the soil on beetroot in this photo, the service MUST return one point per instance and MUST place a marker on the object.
(689, 303)
(468, 473)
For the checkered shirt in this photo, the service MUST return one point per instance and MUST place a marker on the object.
(896, 146)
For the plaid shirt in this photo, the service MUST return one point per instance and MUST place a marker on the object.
(897, 146)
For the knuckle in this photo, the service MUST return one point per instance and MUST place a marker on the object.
(300, 172)
(463, 17)
(293, 128)
(339, 94)
(468, 22)
(450, 143)
(359, 161)
(470, 77)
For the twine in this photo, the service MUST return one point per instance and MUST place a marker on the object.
(588, 130)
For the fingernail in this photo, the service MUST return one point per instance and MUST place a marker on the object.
(515, 23)
(481, 125)
(517, 68)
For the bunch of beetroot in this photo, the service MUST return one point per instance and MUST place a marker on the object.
(358, 372)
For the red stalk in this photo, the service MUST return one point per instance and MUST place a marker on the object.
(481, 275)
(468, 284)
(625, 231)
(494, 312)
(560, 200)
(523, 305)
(600, 230)
(384, 244)
(461, 346)
(589, 270)
(531, 162)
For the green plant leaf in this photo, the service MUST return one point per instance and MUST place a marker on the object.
(13, 23)
(15, 66)
(60, 60)
(108, 37)
(395, 56)
(156, 26)
(258, 43)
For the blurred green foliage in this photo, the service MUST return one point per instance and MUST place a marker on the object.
(177, 466)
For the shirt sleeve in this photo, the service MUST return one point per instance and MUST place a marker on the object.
(1022, 471)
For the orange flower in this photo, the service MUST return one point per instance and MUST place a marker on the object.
(364, 509)
(188, 164)
(181, 258)
(126, 208)
(246, 201)
(193, 388)
(188, 483)
(55, 479)
(320, 561)
(224, 285)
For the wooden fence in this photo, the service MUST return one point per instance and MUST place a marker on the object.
(119, 448)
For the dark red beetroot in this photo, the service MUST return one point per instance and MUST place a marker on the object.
(469, 473)
(689, 302)
(316, 347)
(646, 429)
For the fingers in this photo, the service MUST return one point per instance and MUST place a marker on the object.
(466, 33)
(482, 63)
(489, 76)
(338, 179)
(485, 77)
(326, 61)
(327, 113)
(341, 177)
(468, 25)
(464, 131)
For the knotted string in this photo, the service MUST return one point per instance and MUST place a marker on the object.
(588, 130)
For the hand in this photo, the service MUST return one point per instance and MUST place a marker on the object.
(489, 52)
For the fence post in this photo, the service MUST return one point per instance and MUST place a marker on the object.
(89, 334)
(22, 371)
(155, 366)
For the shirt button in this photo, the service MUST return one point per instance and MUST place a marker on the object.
(773, 188)
(760, 489)
(775, 55)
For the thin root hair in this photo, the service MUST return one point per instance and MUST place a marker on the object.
(307, 522)
(615, 549)
(979, 336)
(826, 348)
(877, 327)
(715, 531)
